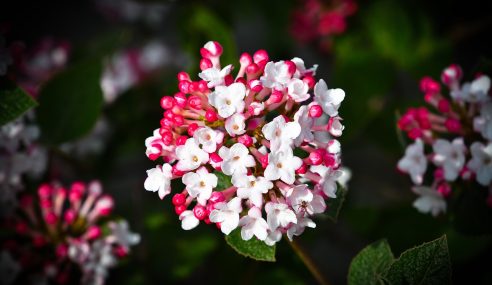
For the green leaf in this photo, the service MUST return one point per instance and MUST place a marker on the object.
(371, 264)
(334, 205)
(13, 103)
(223, 181)
(70, 104)
(425, 264)
(253, 248)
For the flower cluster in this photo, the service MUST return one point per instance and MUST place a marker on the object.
(66, 227)
(459, 136)
(20, 155)
(245, 147)
(317, 21)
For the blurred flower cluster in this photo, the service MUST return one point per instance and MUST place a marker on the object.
(257, 133)
(65, 233)
(318, 21)
(20, 155)
(459, 139)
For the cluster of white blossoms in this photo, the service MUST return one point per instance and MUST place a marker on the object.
(459, 139)
(256, 152)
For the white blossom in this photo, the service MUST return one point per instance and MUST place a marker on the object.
(298, 228)
(227, 214)
(200, 184)
(328, 99)
(121, 234)
(228, 99)
(282, 165)
(430, 201)
(481, 162)
(215, 76)
(236, 159)
(281, 133)
(188, 220)
(298, 90)
(449, 156)
(306, 123)
(276, 75)
(251, 187)
(235, 125)
(208, 138)
(483, 123)
(279, 215)
(304, 201)
(414, 162)
(329, 178)
(190, 156)
(253, 224)
(159, 179)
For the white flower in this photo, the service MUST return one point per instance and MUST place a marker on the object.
(414, 162)
(273, 237)
(298, 229)
(227, 214)
(430, 201)
(280, 133)
(121, 234)
(481, 162)
(236, 159)
(228, 99)
(235, 125)
(208, 138)
(328, 99)
(476, 91)
(335, 127)
(156, 147)
(255, 108)
(449, 156)
(282, 165)
(159, 179)
(304, 202)
(279, 215)
(200, 184)
(345, 177)
(188, 220)
(298, 90)
(252, 188)
(329, 178)
(253, 224)
(276, 75)
(301, 68)
(306, 123)
(190, 156)
(215, 76)
(483, 123)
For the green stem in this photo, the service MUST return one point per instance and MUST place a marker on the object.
(299, 250)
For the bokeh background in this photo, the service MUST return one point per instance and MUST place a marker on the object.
(378, 60)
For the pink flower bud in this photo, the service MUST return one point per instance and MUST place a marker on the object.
(181, 140)
(260, 56)
(451, 75)
(61, 250)
(443, 106)
(180, 99)
(184, 86)
(309, 80)
(453, 125)
(315, 111)
(291, 67)
(120, 251)
(302, 169)
(93, 232)
(211, 116)
(51, 218)
(104, 205)
(316, 157)
(178, 199)
(45, 191)
(46, 203)
(192, 128)
(246, 140)
(183, 76)
(202, 86)
(255, 85)
(439, 174)
(176, 172)
(211, 49)
(38, 241)
(429, 85)
(264, 161)
(245, 59)
(167, 123)
(252, 68)
(179, 209)
(444, 189)
(78, 187)
(276, 96)
(195, 102)
(216, 197)
(205, 63)
(95, 187)
(200, 212)
(167, 102)
(228, 80)
(241, 80)
(166, 136)
(69, 216)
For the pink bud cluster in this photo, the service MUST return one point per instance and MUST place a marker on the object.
(318, 21)
(261, 131)
(459, 132)
(64, 226)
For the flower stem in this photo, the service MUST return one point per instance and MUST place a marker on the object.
(301, 252)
